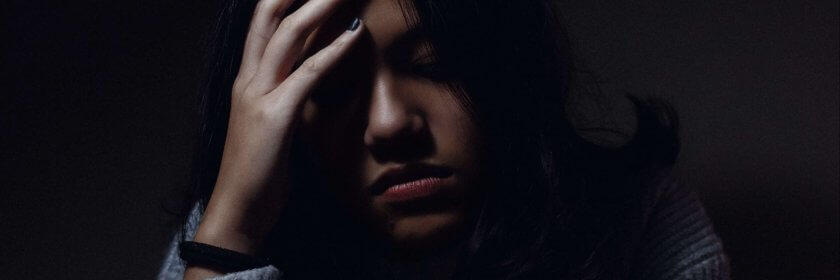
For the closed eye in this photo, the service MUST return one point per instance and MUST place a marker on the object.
(430, 71)
(428, 67)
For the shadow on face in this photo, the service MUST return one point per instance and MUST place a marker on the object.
(380, 114)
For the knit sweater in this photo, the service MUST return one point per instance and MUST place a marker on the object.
(678, 243)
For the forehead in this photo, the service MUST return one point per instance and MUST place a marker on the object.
(387, 28)
(385, 21)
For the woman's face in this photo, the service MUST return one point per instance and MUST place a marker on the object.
(394, 144)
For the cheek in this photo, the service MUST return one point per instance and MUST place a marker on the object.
(457, 137)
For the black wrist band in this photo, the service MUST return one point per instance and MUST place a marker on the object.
(207, 255)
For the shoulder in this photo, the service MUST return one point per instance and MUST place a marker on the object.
(678, 240)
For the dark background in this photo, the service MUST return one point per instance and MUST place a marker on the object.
(98, 100)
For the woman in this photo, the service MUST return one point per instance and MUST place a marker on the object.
(427, 140)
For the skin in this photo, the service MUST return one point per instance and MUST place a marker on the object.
(361, 110)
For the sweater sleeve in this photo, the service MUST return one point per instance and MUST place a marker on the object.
(173, 266)
(680, 242)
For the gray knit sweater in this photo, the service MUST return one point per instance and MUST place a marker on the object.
(679, 243)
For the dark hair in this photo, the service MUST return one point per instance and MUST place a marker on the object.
(563, 206)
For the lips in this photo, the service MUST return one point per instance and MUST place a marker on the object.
(410, 181)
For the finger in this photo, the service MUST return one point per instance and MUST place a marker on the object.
(301, 82)
(263, 25)
(287, 43)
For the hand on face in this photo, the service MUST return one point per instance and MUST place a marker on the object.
(390, 141)
(266, 101)
(394, 122)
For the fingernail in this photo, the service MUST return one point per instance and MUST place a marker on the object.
(354, 24)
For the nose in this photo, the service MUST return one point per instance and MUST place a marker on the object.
(396, 127)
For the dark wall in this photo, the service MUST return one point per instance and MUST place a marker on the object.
(98, 106)
(756, 85)
(96, 133)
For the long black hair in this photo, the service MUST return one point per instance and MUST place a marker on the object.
(562, 206)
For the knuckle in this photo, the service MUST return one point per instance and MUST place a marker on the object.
(263, 113)
(312, 65)
(241, 79)
(291, 25)
(340, 43)
(260, 32)
(238, 101)
(238, 88)
(259, 112)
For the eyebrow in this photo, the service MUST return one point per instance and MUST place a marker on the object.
(406, 43)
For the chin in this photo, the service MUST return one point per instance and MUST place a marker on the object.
(426, 234)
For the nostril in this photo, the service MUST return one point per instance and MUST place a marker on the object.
(393, 127)
(399, 139)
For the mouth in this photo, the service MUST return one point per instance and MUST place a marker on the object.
(410, 182)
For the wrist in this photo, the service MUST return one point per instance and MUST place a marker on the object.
(227, 237)
(232, 230)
